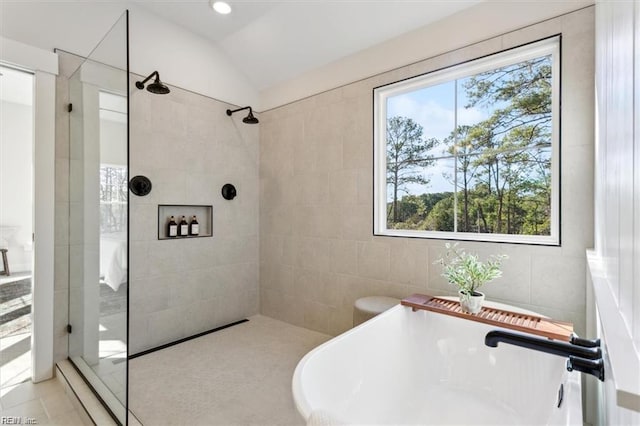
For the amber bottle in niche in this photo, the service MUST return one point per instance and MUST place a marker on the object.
(172, 227)
(194, 227)
(183, 229)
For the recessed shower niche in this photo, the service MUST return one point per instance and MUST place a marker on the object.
(203, 214)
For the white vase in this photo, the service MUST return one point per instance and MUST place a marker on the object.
(471, 304)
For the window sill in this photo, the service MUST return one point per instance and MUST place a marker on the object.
(539, 240)
(622, 355)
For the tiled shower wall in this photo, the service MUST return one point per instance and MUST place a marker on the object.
(189, 148)
(68, 64)
(317, 251)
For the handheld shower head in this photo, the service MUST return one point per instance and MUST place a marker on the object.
(157, 87)
(249, 119)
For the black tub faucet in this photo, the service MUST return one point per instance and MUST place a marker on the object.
(583, 355)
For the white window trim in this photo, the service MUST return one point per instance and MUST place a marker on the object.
(549, 46)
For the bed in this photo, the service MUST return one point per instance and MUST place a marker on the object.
(113, 259)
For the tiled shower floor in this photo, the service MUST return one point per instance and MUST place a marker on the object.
(240, 375)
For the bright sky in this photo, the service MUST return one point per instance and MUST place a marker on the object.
(434, 109)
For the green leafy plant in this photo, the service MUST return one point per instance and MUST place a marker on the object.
(467, 271)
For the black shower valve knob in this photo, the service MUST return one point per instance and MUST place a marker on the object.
(229, 191)
(140, 185)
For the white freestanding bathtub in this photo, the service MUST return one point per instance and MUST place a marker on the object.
(425, 368)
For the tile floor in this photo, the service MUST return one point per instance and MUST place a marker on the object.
(44, 403)
(111, 367)
(237, 376)
(241, 375)
(15, 328)
(15, 359)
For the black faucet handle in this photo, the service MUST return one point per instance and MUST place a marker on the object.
(585, 343)
(595, 367)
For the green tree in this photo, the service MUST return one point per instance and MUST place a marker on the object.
(441, 216)
(502, 162)
(463, 145)
(411, 212)
(407, 156)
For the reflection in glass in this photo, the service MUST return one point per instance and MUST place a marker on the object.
(98, 271)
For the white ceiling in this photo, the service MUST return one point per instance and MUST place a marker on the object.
(268, 41)
(266, 52)
(273, 41)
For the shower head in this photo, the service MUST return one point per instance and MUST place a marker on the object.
(156, 87)
(249, 119)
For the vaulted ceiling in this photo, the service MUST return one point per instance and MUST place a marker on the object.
(269, 41)
(273, 41)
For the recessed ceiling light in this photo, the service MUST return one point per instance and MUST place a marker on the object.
(221, 7)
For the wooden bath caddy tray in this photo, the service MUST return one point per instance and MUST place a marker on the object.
(533, 324)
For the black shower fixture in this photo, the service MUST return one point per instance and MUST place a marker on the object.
(140, 185)
(249, 119)
(157, 87)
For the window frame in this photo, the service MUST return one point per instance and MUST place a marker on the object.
(548, 46)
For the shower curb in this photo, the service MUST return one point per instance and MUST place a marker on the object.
(90, 409)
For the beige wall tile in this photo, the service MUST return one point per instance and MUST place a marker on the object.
(139, 259)
(316, 316)
(320, 287)
(558, 282)
(367, 265)
(312, 188)
(166, 326)
(62, 180)
(61, 268)
(271, 248)
(343, 187)
(277, 277)
(150, 295)
(282, 306)
(138, 333)
(344, 256)
(143, 222)
(357, 223)
(374, 260)
(409, 260)
(515, 283)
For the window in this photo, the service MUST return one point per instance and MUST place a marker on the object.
(113, 198)
(113, 163)
(471, 152)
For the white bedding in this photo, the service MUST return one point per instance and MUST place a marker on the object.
(113, 259)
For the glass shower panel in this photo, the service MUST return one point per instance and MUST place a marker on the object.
(98, 217)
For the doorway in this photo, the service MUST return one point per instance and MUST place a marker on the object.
(16, 224)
